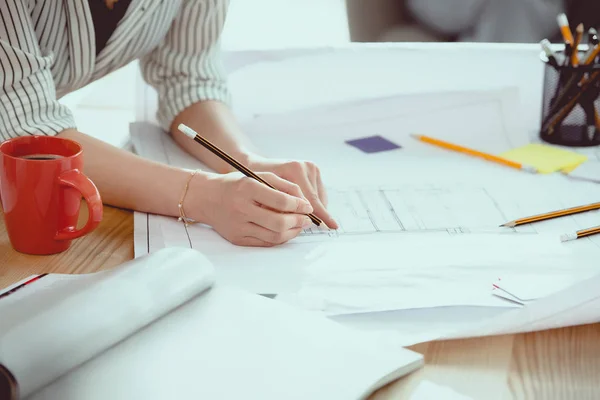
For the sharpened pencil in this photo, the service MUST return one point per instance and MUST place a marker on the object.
(552, 214)
(189, 132)
(578, 37)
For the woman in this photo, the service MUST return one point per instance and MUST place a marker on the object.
(49, 48)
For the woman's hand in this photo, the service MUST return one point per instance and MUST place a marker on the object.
(247, 212)
(306, 175)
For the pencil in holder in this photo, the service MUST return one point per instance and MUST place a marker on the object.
(571, 103)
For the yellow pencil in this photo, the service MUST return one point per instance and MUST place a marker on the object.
(565, 30)
(577, 41)
(475, 153)
(553, 214)
(580, 234)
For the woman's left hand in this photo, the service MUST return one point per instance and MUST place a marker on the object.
(306, 175)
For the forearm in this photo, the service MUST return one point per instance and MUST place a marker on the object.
(128, 181)
(216, 122)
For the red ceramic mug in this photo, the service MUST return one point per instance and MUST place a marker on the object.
(41, 185)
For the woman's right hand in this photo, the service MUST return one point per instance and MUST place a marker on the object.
(247, 212)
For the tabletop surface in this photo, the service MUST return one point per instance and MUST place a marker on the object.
(555, 364)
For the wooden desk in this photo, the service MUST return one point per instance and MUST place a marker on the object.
(555, 364)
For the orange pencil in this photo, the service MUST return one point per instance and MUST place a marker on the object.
(475, 153)
(563, 24)
(552, 214)
(592, 54)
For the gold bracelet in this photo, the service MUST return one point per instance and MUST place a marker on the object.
(182, 217)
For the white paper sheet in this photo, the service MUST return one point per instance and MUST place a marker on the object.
(523, 288)
(588, 171)
(426, 271)
(295, 79)
(289, 79)
(485, 120)
(227, 344)
(578, 304)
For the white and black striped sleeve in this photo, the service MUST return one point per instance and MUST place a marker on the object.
(186, 67)
(28, 103)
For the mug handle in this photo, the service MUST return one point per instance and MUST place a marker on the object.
(88, 190)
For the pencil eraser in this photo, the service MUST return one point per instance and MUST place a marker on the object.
(373, 144)
(562, 19)
(189, 132)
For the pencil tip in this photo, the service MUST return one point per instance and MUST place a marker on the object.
(508, 225)
(579, 28)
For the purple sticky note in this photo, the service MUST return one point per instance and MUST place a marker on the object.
(373, 144)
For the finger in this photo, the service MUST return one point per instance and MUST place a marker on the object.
(315, 181)
(277, 199)
(276, 221)
(320, 211)
(312, 178)
(283, 185)
(269, 236)
(321, 189)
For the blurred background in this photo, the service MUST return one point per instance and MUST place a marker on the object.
(513, 21)
(264, 24)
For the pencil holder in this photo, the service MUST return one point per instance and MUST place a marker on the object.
(571, 103)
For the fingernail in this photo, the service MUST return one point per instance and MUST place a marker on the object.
(307, 223)
(306, 208)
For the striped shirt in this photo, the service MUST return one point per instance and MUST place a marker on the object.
(47, 49)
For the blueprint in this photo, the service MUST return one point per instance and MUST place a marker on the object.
(417, 190)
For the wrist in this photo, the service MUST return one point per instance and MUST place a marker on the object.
(199, 199)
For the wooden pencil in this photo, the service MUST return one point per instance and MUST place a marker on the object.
(578, 37)
(233, 162)
(475, 153)
(552, 214)
(580, 234)
(563, 24)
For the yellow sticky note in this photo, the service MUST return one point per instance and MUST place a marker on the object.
(546, 159)
(568, 170)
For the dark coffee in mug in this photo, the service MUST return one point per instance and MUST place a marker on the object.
(42, 157)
